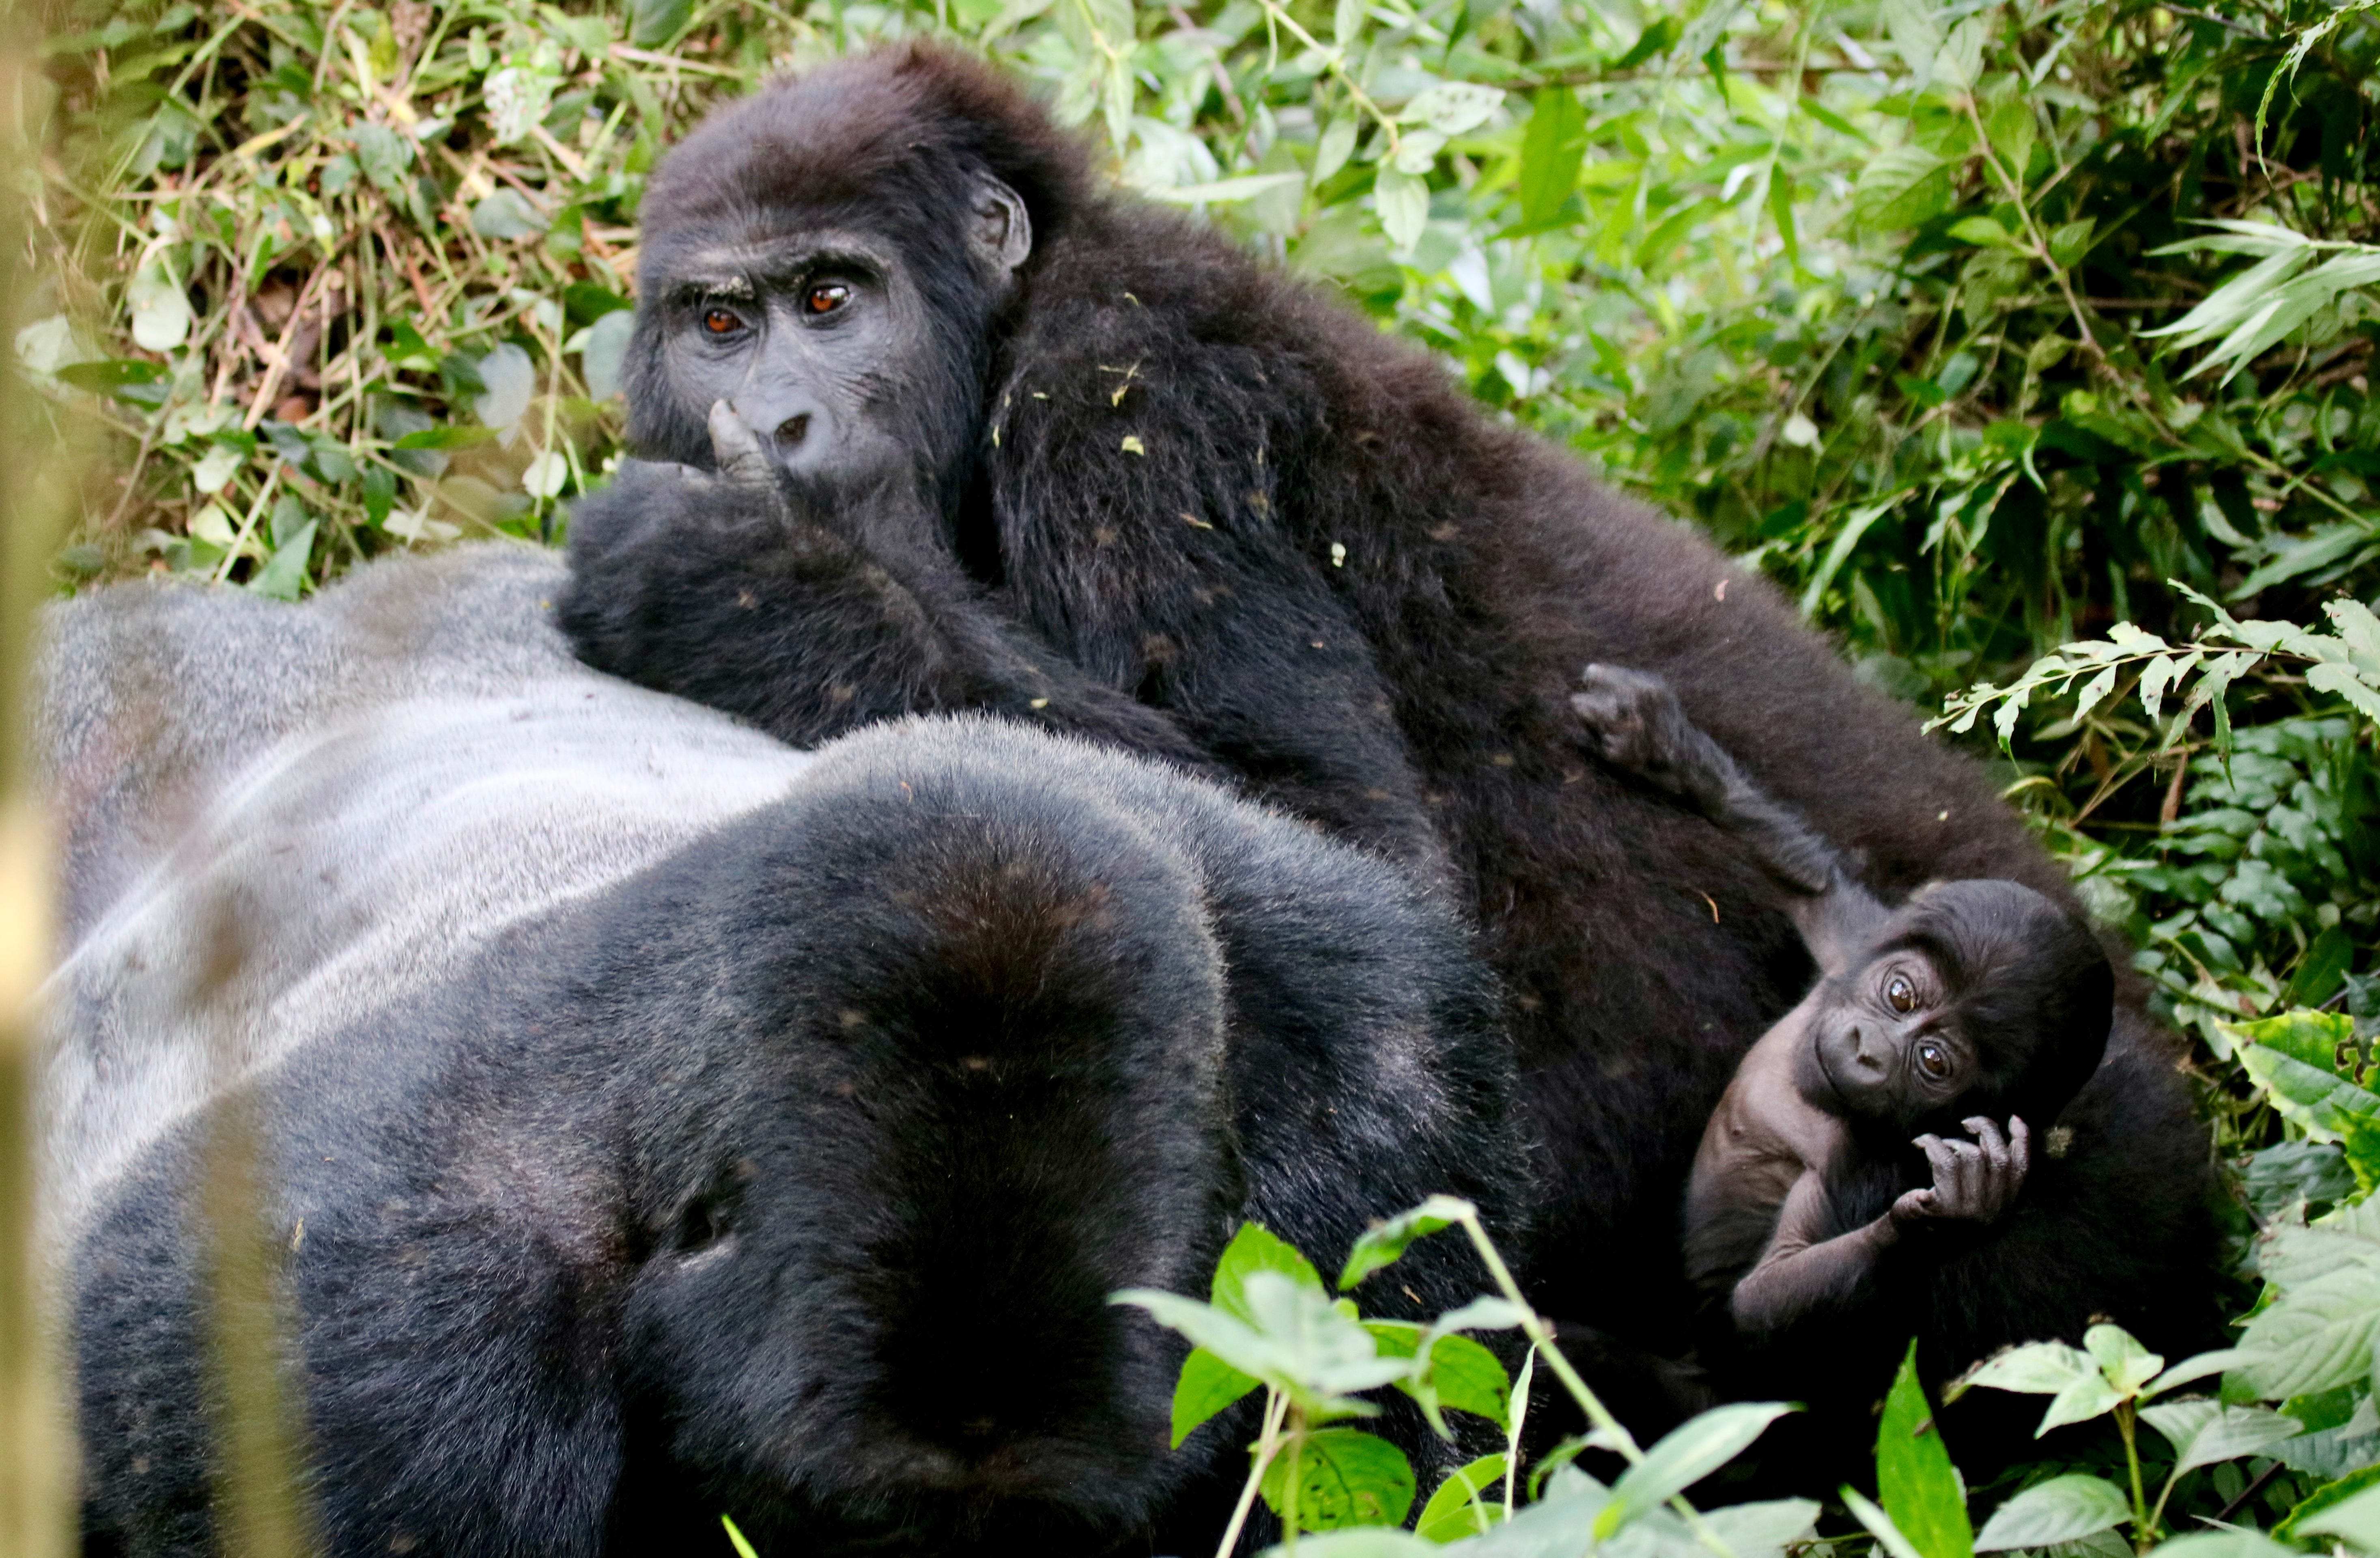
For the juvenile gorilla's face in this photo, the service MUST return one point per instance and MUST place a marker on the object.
(812, 340)
(851, 350)
(1882, 1045)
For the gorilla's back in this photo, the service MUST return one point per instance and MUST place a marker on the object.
(280, 819)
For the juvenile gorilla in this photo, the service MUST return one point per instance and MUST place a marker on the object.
(1825, 1197)
(657, 1122)
(937, 426)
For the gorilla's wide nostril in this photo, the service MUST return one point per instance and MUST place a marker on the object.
(793, 430)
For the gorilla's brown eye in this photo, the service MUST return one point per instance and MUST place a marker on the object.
(719, 321)
(1900, 995)
(826, 297)
(1935, 1059)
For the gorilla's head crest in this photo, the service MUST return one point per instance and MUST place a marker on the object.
(898, 131)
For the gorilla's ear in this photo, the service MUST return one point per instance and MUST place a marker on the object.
(1001, 230)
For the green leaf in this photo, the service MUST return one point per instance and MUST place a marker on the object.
(1468, 1503)
(1888, 1535)
(1207, 1386)
(2123, 1362)
(105, 378)
(1914, 1478)
(1383, 1244)
(2329, 1496)
(2053, 1368)
(1686, 1455)
(2070, 243)
(1765, 1529)
(283, 575)
(1338, 144)
(1344, 1477)
(2314, 1099)
(1657, 39)
(1981, 230)
(446, 438)
(2205, 1433)
(2224, 1544)
(736, 1539)
(1452, 108)
(2357, 1518)
(511, 380)
(2318, 1335)
(1402, 200)
(161, 309)
(2061, 1509)
(605, 352)
(384, 156)
(1256, 1248)
(508, 214)
(654, 22)
(1552, 152)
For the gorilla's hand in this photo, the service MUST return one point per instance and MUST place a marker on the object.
(807, 609)
(1974, 1181)
(1634, 722)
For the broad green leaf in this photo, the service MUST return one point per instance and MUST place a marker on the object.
(508, 214)
(161, 309)
(1338, 143)
(1468, 1503)
(1917, 35)
(1346, 21)
(1229, 1339)
(384, 155)
(2317, 1335)
(2314, 1099)
(2313, 1037)
(654, 22)
(1916, 1480)
(2330, 1495)
(2061, 1509)
(511, 380)
(1256, 1248)
(1362, 1542)
(284, 573)
(1765, 1529)
(1552, 152)
(1453, 108)
(1403, 201)
(1222, 191)
(2203, 1432)
(2070, 243)
(2035, 1368)
(1207, 1386)
(1321, 1355)
(213, 470)
(1686, 1455)
(1981, 230)
(2010, 128)
(604, 353)
(2126, 1364)
(446, 438)
(2223, 1544)
(2356, 1518)
(1344, 1476)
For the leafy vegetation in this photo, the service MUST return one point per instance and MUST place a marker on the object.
(2027, 344)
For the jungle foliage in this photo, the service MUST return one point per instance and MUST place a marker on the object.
(2028, 345)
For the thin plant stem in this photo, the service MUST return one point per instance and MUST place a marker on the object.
(1268, 1445)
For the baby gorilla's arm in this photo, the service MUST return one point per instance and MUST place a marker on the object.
(1635, 723)
(1800, 1272)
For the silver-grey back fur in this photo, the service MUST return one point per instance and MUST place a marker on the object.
(277, 822)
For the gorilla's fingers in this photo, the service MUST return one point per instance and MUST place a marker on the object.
(741, 458)
(2020, 1142)
(1987, 1132)
(1914, 1204)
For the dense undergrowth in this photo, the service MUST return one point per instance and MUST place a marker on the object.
(2030, 346)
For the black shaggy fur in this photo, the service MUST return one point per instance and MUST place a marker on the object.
(790, 1179)
(1170, 446)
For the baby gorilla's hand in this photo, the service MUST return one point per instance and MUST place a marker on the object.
(1634, 723)
(1974, 1181)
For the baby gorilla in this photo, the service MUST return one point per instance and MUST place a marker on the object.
(1831, 1157)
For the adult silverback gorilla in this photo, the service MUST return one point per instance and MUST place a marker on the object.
(939, 426)
(660, 1122)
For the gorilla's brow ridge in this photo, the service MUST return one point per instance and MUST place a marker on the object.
(744, 270)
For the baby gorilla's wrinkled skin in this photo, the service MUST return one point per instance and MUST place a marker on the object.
(1975, 1002)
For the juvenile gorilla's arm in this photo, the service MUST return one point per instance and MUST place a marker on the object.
(1634, 723)
(1801, 1271)
(722, 589)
